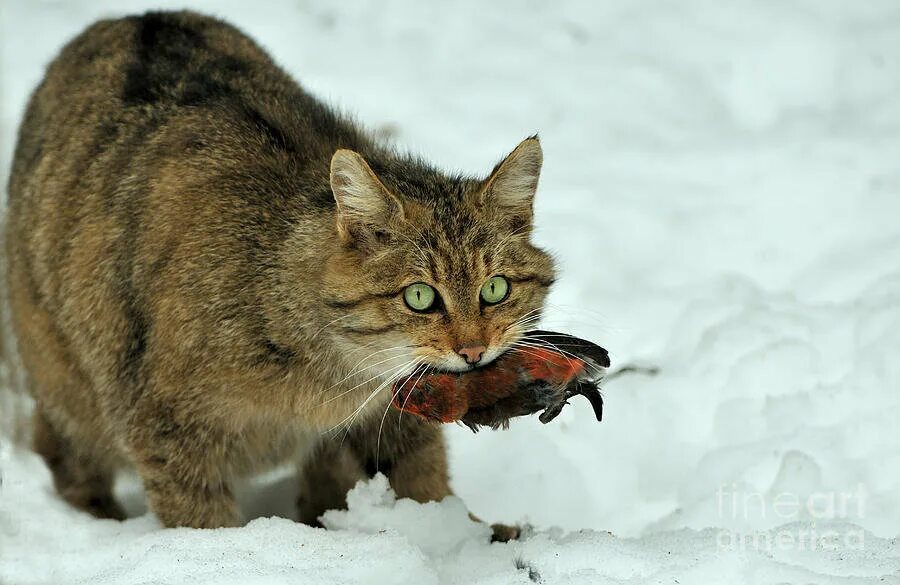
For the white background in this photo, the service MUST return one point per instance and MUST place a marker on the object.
(722, 191)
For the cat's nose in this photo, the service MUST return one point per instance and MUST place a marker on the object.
(472, 353)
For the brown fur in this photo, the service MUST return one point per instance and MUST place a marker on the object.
(206, 265)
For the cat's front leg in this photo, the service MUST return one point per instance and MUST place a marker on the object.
(182, 462)
(412, 453)
(327, 474)
(409, 450)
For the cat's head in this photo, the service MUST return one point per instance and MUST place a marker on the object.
(432, 269)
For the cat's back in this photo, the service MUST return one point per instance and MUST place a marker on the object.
(121, 81)
(155, 125)
(160, 162)
(114, 67)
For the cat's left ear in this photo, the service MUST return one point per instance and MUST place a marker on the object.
(512, 184)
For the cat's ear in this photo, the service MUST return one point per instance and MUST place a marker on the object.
(365, 208)
(512, 184)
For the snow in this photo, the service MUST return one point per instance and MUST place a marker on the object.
(380, 539)
(721, 191)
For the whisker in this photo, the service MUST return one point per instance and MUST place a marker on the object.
(523, 322)
(391, 369)
(354, 371)
(558, 345)
(566, 308)
(362, 347)
(351, 417)
(537, 355)
(527, 323)
(560, 385)
(341, 318)
(393, 378)
(541, 340)
(351, 374)
(569, 357)
(417, 363)
(405, 400)
(579, 314)
(528, 343)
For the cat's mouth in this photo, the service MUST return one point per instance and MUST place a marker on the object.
(450, 365)
(457, 365)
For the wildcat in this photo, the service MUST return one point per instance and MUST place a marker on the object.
(212, 273)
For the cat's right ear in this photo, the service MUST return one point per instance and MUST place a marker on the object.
(365, 207)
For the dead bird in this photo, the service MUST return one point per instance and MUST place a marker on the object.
(540, 377)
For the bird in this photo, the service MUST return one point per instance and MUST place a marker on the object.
(518, 383)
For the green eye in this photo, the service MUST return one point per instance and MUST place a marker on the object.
(419, 296)
(496, 289)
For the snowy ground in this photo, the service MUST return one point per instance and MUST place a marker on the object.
(722, 190)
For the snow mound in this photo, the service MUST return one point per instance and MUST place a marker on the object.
(380, 539)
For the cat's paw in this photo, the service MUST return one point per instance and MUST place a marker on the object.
(505, 533)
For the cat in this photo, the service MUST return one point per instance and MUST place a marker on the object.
(212, 273)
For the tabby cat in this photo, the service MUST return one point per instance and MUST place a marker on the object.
(212, 273)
